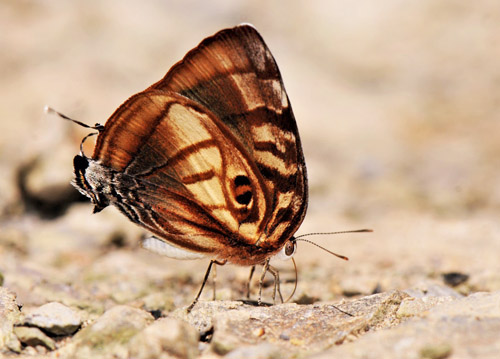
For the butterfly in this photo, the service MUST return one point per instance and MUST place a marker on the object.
(208, 159)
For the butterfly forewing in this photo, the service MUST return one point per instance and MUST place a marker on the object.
(234, 74)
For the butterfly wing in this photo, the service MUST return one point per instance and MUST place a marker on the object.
(234, 74)
(181, 173)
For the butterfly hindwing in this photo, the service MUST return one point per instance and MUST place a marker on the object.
(191, 177)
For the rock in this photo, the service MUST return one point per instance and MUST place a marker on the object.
(478, 305)
(412, 306)
(165, 338)
(55, 318)
(294, 328)
(109, 335)
(203, 313)
(33, 337)
(432, 289)
(462, 328)
(9, 314)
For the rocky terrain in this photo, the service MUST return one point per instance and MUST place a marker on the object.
(398, 111)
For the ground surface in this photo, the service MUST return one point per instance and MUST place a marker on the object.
(398, 109)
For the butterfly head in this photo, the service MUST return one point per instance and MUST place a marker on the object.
(89, 181)
(288, 250)
(89, 175)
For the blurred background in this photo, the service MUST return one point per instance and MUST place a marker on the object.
(397, 103)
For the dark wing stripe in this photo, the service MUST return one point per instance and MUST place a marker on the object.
(179, 156)
(259, 116)
(192, 221)
(152, 127)
(189, 150)
(161, 227)
(224, 84)
(172, 203)
(198, 177)
(128, 210)
(286, 182)
(110, 148)
(271, 148)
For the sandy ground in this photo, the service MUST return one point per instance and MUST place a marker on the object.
(397, 105)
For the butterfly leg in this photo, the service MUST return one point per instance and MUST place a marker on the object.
(220, 263)
(277, 288)
(261, 281)
(212, 262)
(214, 280)
(252, 270)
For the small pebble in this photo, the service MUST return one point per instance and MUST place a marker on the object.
(55, 318)
(34, 337)
(284, 336)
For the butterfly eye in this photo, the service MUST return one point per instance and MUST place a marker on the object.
(242, 190)
(290, 248)
(80, 163)
(287, 251)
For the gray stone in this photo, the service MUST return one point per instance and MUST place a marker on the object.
(165, 338)
(34, 337)
(9, 315)
(55, 318)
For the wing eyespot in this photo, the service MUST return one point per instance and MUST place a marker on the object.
(242, 190)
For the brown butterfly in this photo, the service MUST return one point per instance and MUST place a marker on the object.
(208, 159)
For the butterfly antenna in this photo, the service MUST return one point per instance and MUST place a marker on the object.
(323, 248)
(296, 281)
(340, 232)
(97, 126)
(83, 140)
(301, 238)
(51, 111)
